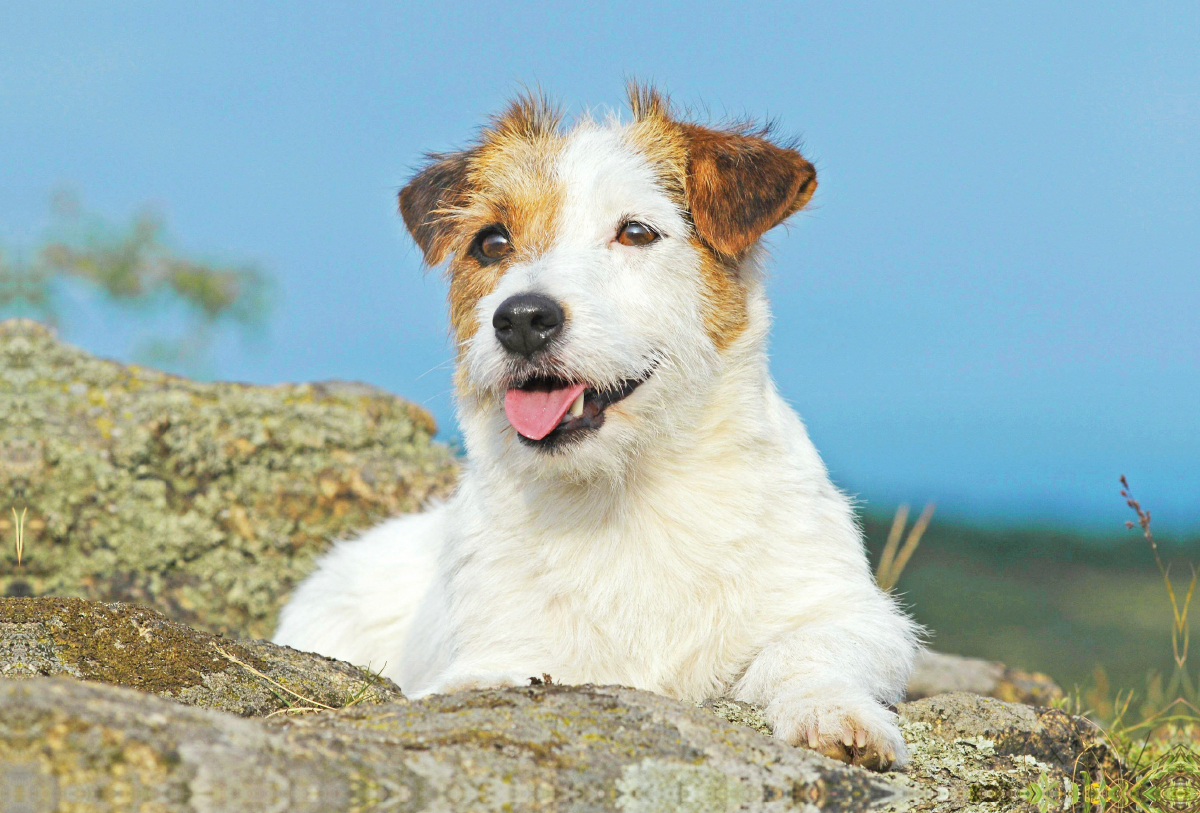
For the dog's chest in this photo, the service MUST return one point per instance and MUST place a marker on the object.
(663, 606)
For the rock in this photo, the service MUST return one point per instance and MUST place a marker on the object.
(207, 501)
(980, 753)
(937, 673)
(124, 645)
(543, 747)
(1050, 735)
(539, 748)
(739, 713)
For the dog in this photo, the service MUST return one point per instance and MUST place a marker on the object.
(639, 505)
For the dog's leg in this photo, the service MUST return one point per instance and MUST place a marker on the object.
(827, 684)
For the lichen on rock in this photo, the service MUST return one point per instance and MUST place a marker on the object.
(974, 753)
(206, 501)
(983, 754)
(549, 748)
(542, 747)
(545, 747)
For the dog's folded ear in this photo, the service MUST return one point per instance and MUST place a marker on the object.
(429, 197)
(739, 185)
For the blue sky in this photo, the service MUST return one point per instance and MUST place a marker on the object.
(994, 301)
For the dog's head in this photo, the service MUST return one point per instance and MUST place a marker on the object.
(601, 277)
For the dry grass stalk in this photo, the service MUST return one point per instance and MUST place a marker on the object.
(910, 544)
(295, 710)
(896, 555)
(19, 525)
(1180, 627)
(893, 542)
(1156, 743)
(311, 705)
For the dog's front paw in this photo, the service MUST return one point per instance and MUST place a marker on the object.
(465, 681)
(859, 731)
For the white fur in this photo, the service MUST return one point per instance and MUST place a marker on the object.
(694, 546)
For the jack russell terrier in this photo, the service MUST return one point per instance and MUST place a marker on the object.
(639, 506)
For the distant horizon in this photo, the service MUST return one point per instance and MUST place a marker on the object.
(992, 303)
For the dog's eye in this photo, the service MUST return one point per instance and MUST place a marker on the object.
(491, 244)
(636, 234)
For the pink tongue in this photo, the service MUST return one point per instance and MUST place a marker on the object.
(535, 413)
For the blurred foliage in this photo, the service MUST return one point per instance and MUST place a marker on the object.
(135, 268)
(1016, 546)
(1056, 601)
(1152, 724)
(1098, 615)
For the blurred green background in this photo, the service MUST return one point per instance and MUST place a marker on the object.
(1045, 599)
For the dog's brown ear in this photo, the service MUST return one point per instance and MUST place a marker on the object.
(739, 185)
(440, 186)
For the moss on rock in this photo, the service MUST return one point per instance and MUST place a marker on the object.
(207, 501)
(124, 645)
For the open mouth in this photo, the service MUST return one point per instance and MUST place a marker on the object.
(549, 411)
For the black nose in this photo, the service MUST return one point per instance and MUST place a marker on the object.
(526, 323)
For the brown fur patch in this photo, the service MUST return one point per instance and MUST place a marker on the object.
(724, 305)
(740, 185)
(660, 139)
(437, 189)
(507, 178)
(734, 184)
